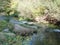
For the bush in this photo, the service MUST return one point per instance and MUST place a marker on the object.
(3, 25)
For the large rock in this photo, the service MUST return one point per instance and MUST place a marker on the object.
(23, 30)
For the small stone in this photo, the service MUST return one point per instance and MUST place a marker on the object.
(6, 30)
(56, 30)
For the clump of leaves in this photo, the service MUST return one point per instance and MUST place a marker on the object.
(14, 41)
(53, 26)
(10, 26)
(3, 25)
(39, 11)
(10, 39)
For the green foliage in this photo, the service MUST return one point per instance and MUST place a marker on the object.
(9, 7)
(10, 40)
(3, 25)
(39, 10)
(21, 18)
(4, 5)
(29, 19)
(10, 26)
(53, 26)
(15, 13)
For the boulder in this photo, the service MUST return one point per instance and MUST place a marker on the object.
(23, 30)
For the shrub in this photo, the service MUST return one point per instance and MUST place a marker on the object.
(3, 25)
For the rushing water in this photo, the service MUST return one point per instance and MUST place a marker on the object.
(45, 36)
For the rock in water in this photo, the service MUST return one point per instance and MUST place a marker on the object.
(6, 30)
(23, 30)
